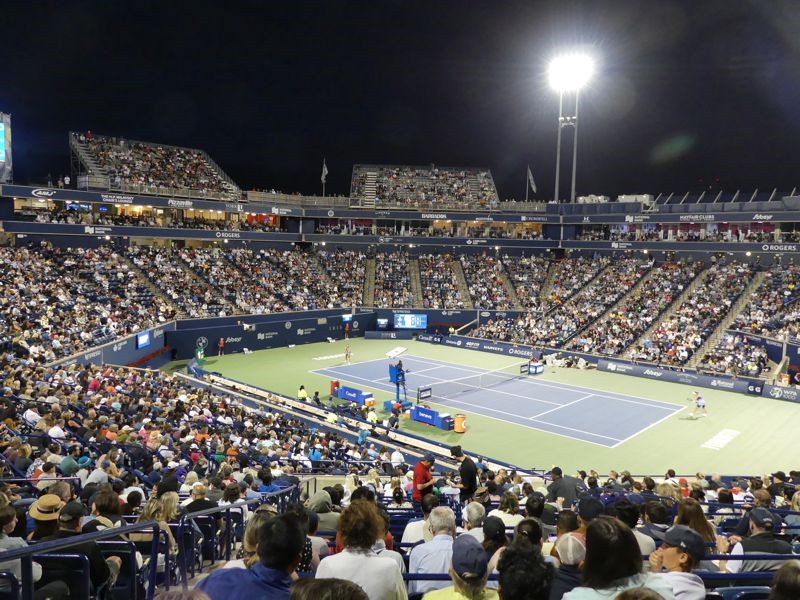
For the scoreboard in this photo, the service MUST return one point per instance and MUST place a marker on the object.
(410, 321)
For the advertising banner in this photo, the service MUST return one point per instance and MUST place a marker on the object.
(122, 198)
(742, 386)
(124, 351)
(789, 394)
(30, 228)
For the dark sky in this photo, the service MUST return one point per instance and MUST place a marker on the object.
(686, 92)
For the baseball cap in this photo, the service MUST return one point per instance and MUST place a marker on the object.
(762, 517)
(590, 508)
(429, 457)
(71, 512)
(493, 527)
(469, 558)
(685, 539)
(455, 451)
(571, 548)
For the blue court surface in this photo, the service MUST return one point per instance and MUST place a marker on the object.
(603, 418)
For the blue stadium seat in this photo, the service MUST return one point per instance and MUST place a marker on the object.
(748, 592)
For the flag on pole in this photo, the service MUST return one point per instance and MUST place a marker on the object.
(324, 171)
(530, 180)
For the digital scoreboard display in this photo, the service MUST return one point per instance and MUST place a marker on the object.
(143, 339)
(410, 321)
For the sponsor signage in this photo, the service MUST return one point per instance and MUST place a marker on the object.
(389, 335)
(742, 386)
(425, 415)
(425, 241)
(789, 394)
(27, 227)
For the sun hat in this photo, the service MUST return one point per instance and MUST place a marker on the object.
(46, 508)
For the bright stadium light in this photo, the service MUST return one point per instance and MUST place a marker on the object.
(568, 74)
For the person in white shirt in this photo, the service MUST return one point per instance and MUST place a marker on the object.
(56, 432)
(508, 511)
(32, 416)
(100, 474)
(397, 458)
(681, 552)
(418, 530)
(359, 526)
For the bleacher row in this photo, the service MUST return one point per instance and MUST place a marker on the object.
(625, 307)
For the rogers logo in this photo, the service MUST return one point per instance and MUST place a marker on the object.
(44, 193)
(780, 247)
(235, 235)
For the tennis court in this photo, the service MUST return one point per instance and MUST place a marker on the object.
(604, 418)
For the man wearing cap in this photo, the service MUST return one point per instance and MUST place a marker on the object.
(468, 572)
(468, 474)
(434, 556)
(565, 487)
(422, 481)
(779, 479)
(589, 508)
(571, 549)
(681, 552)
(70, 521)
(761, 541)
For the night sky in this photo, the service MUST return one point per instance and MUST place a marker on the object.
(687, 94)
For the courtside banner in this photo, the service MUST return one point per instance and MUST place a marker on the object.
(742, 386)
(388, 335)
(789, 394)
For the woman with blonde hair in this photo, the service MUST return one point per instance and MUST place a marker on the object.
(191, 479)
(171, 507)
(351, 482)
(154, 511)
(374, 479)
(250, 541)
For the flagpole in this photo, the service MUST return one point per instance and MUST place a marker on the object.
(527, 183)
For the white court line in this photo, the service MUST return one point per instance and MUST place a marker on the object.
(495, 391)
(560, 407)
(563, 386)
(630, 437)
(477, 412)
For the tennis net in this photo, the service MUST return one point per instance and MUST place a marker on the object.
(480, 381)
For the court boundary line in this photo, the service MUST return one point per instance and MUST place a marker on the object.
(630, 437)
(547, 412)
(506, 421)
(565, 385)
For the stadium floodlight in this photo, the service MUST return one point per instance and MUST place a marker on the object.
(568, 74)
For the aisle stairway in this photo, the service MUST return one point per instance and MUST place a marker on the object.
(736, 309)
(508, 285)
(152, 286)
(369, 283)
(544, 293)
(370, 190)
(86, 157)
(647, 276)
(461, 281)
(416, 284)
(701, 277)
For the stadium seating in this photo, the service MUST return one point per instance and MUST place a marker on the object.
(432, 187)
(154, 168)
